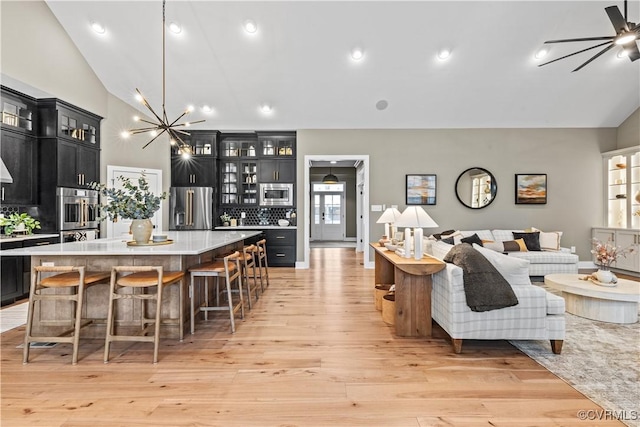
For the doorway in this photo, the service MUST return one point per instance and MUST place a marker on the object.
(358, 205)
(328, 213)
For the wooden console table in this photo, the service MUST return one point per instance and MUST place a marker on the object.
(413, 289)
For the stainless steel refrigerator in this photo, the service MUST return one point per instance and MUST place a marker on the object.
(191, 208)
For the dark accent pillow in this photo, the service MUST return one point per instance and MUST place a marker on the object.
(532, 240)
(448, 240)
(444, 233)
(472, 239)
(514, 246)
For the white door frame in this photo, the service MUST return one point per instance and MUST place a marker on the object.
(114, 171)
(308, 159)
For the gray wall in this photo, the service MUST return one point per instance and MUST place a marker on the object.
(629, 131)
(571, 158)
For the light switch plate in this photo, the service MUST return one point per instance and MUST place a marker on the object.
(376, 208)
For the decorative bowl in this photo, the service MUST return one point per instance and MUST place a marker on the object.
(621, 165)
(159, 238)
(391, 247)
(283, 222)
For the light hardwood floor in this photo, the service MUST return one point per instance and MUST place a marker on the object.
(312, 352)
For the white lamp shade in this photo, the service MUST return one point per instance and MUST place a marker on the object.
(390, 215)
(415, 216)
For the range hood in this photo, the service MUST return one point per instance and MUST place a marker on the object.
(5, 176)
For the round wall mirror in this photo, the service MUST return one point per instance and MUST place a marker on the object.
(476, 188)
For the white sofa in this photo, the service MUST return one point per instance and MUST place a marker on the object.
(541, 263)
(539, 315)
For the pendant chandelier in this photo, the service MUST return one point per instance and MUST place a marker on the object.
(330, 178)
(162, 124)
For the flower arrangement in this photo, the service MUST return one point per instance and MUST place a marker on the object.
(19, 222)
(225, 217)
(129, 202)
(607, 253)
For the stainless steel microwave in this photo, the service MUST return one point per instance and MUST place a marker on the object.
(276, 194)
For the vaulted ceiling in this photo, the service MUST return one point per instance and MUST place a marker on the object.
(299, 62)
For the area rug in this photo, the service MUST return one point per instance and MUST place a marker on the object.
(599, 359)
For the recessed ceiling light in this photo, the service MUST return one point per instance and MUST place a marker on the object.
(250, 26)
(622, 53)
(175, 28)
(541, 53)
(444, 53)
(357, 53)
(266, 108)
(382, 104)
(98, 27)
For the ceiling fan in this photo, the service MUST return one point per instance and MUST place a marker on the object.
(627, 36)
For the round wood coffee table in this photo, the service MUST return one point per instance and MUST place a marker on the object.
(618, 304)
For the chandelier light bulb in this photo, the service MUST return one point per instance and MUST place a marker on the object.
(250, 26)
(153, 133)
(172, 141)
(139, 98)
(175, 28)
(125, 134)
(541, 53)
(357, 53)
(190, 109)
(622, 54)
(98, 27)
(207, 109)
(136, 118)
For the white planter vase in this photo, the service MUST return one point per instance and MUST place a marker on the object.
(141, 230)
(604, 276)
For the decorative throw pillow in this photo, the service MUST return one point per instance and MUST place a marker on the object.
(456, 236)
(549, 241)
(448, 240)
(532, 240)
(515, 270)
(472, 239)
(517, 245)
(438, 236)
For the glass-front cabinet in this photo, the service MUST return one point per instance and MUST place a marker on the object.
(234, 146)
(277, 144)
(16, 112)
(229, 182)
(622, 187)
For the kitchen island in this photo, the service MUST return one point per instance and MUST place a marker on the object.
(187, 249)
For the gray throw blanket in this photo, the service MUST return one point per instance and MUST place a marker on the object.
(484, 287)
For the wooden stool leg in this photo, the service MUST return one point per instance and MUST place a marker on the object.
(156, 338)
(78, 322)
(110, 317)
(27, 334)
(192, 297)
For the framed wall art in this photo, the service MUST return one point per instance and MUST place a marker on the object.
(421, 190)
(531, 189)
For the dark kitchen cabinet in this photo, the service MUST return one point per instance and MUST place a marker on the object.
(11, 277)
(202, 143)
(18, 152)
(277, 144)
(281, 247)
(198, 171)
(277, 170)
(60, 119)
(18, 111)
(77, 165)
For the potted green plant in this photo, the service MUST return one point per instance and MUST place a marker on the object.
(19, 222)
(135, 202)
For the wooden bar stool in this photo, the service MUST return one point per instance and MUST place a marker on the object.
(67, 277)
(260, 253)
(229, 268)
(248, 261)
(142, 277)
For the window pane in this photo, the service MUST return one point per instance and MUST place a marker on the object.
(316, 209)
(328, 187)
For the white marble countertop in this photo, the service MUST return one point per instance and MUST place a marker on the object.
(21, 238)
(257, 227)
(184, 243)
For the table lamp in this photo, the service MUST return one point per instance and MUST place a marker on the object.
(388, 217)
(416, 217)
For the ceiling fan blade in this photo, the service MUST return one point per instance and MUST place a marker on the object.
(575, 53)
(632, 51)
(586, 39)
(616, 18)
(594, 57)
